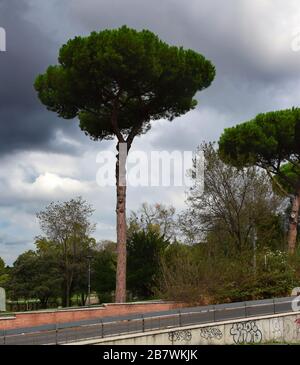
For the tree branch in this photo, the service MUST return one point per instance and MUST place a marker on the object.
(280, 187)
(134, 131)
(114, 122)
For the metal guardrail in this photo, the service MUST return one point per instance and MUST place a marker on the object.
(107, 327)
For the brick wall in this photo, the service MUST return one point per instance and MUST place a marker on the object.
(32, 319)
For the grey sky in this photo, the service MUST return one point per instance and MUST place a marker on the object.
(44, 158)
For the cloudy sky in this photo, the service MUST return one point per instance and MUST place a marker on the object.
(254, 44)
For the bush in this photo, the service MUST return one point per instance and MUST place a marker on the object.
(192, 276)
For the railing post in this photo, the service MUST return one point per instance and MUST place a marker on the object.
(56, 333)
(102, 328)
(274, 310)
(214, 310)
(245, 309)
(143, 322)
(180, 318)
(4, 337)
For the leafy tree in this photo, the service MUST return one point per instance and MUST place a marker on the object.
(2, 266)
(80, 280)
(145, 247)
(4, 276)
(35, 274)
(68, 227)
(104, 270)
(270, 141)
(286, 189)
(23, 272)
(280, 184)
(181, 274)
(159, 215)
(234, 207)
(191, 274)
(116, 82)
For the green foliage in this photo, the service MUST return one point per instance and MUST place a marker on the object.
(292, 173)
(156, 216)
(294, 261)
(235, 205)
(2, 266)
(4, 275)
(273, 277)
(191, 274)
(130, 75)
(35, 275)
(116, 82)
(268, 141)
(270, 232)
(145, 248)
(104, 272)
(185, 275)
(67, 227)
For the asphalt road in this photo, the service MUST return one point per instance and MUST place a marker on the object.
(112, 326)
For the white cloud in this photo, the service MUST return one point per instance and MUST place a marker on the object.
(55, 186)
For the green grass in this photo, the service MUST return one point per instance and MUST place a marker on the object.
(6, 314)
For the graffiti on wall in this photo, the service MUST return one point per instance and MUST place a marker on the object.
(185, 335)
(246, 332)
(276, 328)
(297, 321)
(211, 333)
(290, 329)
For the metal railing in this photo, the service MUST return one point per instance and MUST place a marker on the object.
(107, 327)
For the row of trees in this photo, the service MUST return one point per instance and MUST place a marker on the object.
(237, 230)
(228, 244)
(270, 141)
(57, 267)
(117, 81)
(57, 270)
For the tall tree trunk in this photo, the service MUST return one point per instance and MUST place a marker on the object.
(293, 226)
(69, 282)
(67, 295)
(121, 223)
(83, 299)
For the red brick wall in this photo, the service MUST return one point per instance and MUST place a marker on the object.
(32, 319)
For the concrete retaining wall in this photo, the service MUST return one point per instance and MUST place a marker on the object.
(280, 328)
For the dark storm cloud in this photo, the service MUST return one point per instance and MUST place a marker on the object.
(237, 38)
(248, 42)
(24, 122)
